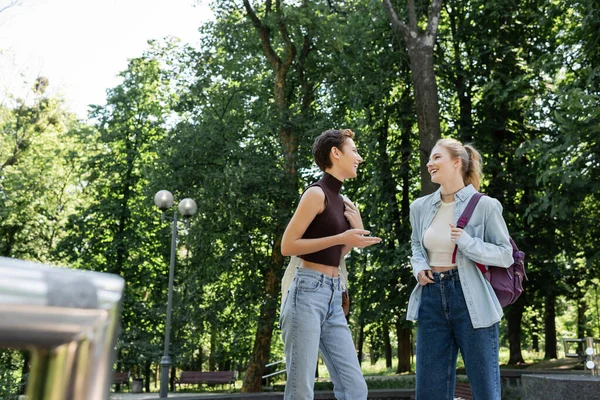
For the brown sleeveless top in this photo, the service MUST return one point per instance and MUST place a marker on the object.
(328, 223)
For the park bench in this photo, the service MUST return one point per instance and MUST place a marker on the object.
(462, 391)
(588, 351)
(121, 378)
(268, 375)
(208, 378)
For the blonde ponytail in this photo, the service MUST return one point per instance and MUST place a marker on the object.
(473, 172)
(471, 160)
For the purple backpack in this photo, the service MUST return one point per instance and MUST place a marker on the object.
(506, 282)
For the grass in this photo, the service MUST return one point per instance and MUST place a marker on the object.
(379, 369)
(530, 357)
(378, 376)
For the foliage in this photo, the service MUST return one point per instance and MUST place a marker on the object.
(519, 80)
(117, 230)
(10, 376)
(40, 168)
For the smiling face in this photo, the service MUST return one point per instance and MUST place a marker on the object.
(442, 167)
(347, 158)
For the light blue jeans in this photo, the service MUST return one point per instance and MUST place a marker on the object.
(444, 328)
(312, 320)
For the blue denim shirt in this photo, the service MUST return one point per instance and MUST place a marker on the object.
(485, 240)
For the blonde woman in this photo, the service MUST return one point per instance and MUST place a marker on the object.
(454, 304)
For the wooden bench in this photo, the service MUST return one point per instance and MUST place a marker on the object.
(462, 391)
(121, 378)
(209, 378)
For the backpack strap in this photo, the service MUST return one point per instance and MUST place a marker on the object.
(464, 220)
(466, 215)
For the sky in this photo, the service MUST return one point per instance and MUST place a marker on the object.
(81, 45)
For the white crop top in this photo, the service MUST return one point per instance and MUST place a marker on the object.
(437, 237)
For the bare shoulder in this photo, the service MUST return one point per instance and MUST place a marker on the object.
(314, 192)
(313, 198)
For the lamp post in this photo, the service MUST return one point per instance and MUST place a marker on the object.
(187, 207)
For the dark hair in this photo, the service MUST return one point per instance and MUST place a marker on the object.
(471, 160)
(325, 141)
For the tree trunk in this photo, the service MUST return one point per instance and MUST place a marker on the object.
(199, 360)
(404, 346)
(24, 371)
(514, 314)
(156, 376)
(120, 237)
(550, 328)
(428, 116)
(400, 211)
(172, 377)
(268, 310)
(9, 240)
(119, 369)
(372, 355)
(420, 47)
(361, 341)
(535, 334)
(147, 374)
(273, 274)
(213, 349)
(289, 143)
(461, 80)
(389, 185)
(387, 344)
(404, 329)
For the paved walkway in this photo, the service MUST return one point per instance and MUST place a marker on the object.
(399, 394)
(156, 396)
(194, 396)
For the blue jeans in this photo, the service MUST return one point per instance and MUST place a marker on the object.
(312, 320)
(444, 327)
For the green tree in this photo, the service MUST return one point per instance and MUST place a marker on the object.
(420, 38)
(490, 56)
(374, 96)
(566, 156)
(39, 188)
(117, 230)
(35, 200)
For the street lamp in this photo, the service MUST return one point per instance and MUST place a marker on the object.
(187, 207)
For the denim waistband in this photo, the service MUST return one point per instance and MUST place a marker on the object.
(446, 275)
(326, 279)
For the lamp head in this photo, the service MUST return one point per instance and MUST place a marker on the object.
(187, 207)
(163, 200)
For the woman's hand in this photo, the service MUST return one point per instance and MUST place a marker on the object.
(352, 214)
(455, 233)
(425, 277)
(359, 238)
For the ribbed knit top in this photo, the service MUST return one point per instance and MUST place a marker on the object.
(328, 223)
(436, 239)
